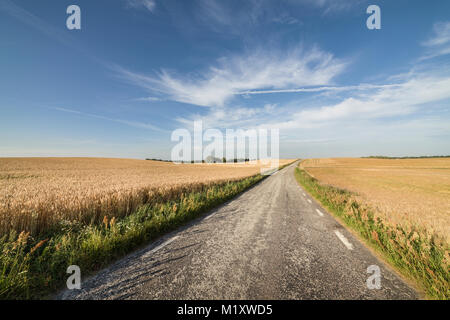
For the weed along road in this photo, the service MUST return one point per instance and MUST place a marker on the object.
(271, 242)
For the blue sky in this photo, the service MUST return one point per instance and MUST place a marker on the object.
(139, 69)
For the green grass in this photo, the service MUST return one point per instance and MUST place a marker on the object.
(35, 268)
(412, 251)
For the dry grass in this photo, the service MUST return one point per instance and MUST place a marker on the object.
(37, 194)
(414, 192)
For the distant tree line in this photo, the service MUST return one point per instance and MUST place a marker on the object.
(153, 159)
(209, 159)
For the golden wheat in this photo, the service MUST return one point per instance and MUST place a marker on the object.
(39, 193)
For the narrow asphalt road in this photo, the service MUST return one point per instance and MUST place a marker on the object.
(271, 242)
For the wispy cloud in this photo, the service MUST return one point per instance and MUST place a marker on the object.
(231, 117)
(441, 35)
(49, 30)
(439, 43)
(150, 5)
(259, 70)
(391, 101)
(149, 99)
(135, 124)
(333, 6)
(286, 18)
(365, 104)
(220, 16)
(33, 21)
(363, 86)
(218, 13)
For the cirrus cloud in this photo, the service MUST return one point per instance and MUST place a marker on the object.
(260, 70)
(439, 43)
(388, 101)
(147, 4)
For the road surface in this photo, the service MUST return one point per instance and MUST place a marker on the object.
(271, 242)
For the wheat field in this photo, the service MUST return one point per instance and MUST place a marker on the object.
(413, 192)
(37, 194)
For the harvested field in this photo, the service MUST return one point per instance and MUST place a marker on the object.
(402, 191)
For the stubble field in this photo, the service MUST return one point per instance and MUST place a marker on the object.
(400, 207)
(414, 192)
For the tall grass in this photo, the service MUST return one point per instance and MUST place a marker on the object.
(31, 267)
(413, 251)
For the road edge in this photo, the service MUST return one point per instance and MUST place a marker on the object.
(381, 256)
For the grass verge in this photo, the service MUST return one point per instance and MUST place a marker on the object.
(33, 268)
(413, 252)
